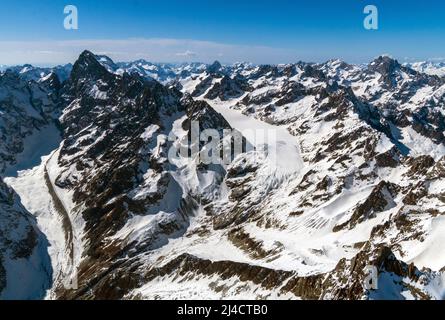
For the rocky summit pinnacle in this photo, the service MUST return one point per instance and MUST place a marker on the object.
(214, 67)
(87, 65)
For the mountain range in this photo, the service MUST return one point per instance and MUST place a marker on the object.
(93, 206)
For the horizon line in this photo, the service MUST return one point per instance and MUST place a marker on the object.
(182, 62)
(175, 51)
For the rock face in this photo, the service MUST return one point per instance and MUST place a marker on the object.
(149, 221)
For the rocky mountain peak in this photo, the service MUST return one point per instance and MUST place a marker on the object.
(88, 66)
(384, 65)
(214, 67)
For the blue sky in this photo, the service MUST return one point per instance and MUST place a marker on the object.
(260, 31)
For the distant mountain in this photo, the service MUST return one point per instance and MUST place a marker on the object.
(27, 107)
(28, 72)
(431, 68)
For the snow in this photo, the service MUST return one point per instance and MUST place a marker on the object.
(431, 68)
(421, 145)
(430, 253)
(74, 212)
(149, 132)
(283, 147)
(300, 242)
(96, 93)
(205, 288)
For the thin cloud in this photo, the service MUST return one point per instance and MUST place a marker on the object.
(154, 49)
(165, 50)
(187, 54)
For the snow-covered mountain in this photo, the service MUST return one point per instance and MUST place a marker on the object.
(28, 72)
(428, 67)
(28, 109)
(358, 178)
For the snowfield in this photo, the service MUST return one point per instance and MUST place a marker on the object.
(32, 187)
(282, 146)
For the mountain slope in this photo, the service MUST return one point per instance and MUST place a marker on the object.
(25, 267)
